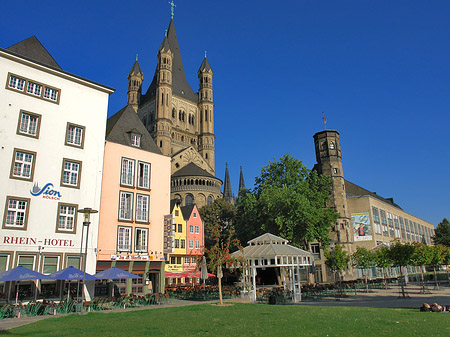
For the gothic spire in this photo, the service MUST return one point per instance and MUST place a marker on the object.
(241, 181)
(227, 192)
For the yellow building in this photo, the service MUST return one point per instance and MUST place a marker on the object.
(175, 259)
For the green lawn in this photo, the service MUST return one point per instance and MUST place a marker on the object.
(246, 320)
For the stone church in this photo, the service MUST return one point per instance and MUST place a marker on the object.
(180, 120)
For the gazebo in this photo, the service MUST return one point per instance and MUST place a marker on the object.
(269, 251)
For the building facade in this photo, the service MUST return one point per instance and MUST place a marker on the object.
(134, 201)
(180, 121)
(51, 155)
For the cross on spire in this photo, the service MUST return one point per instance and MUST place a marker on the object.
(172, 9)
(137, 56)
(324, 120)
(205, 53)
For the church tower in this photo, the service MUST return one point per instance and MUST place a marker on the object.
(135, 79)
(329, 163)
(206, 109)
(227, 191)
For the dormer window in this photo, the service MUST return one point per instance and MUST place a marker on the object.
(135, 140)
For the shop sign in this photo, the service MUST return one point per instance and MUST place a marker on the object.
(47, 192)
(131, 258)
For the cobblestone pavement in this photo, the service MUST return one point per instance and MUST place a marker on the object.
(379, 298)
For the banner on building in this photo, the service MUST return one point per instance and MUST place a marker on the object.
(362, 229)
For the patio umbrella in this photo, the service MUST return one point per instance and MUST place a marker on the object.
(70, 274)
(204, 271)
(21, 274)
(115, 273)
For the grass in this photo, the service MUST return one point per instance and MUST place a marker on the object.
(245, 320)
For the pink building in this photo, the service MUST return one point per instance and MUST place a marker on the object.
(195, 238)
(135, 197)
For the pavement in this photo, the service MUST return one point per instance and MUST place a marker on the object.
(378, 298)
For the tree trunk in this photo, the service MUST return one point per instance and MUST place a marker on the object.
(367, 284)
(402, 282)
(435, 278)
(384, 278)
(220, 291)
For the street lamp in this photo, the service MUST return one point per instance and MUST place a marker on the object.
(87, 215)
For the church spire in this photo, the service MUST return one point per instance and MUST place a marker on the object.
(227, 192)
(135, 79)
(241, 181)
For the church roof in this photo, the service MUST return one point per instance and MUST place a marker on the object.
(180, 86)
(123, 123)
(205, 66)
(32, 49)
(355, 190)
(192, 170)
(136, 69)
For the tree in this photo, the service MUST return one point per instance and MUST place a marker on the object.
(401, 255)
(439, 256)
(422, 256)
(217, 213)
(442, 233)
(337, 260)
(289, 201)
(364, 259)
(383, 261)
(247, 217)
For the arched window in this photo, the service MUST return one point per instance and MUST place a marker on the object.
(210, 200)
(331, 145)
(324, 146)
(206, 156)
(189, 199)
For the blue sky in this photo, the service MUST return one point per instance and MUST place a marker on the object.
(378, 69)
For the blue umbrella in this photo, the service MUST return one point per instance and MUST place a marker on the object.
(21, 274)
(115, 273)
(71, 274)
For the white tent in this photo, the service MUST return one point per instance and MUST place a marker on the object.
(269, 250)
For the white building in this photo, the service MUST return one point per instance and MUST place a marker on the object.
(52, 135)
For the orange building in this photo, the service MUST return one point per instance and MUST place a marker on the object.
(194, 237)
(135, 198)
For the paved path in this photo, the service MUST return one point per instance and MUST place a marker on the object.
(377, 299)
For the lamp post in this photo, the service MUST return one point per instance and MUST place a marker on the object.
(87, 215)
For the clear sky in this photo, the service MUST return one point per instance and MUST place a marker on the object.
(379, 69)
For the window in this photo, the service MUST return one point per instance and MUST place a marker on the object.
(189, 199)
(135, 140)
(34, 88)
(315, 250)
(177, 212)
(180, 228)
(73, 261)
(191, 244)
(143, 175)
(142, 203)
(141, 240)
(195, 215)
(67, 216)
(197, 229)
(127, 176)
(191, 229)
(384, 222)
(197, 244)
(177, 243)
(71, 172)
(29, 124)
(193, 260)
(23, 165)
(183, 244)
(209, 201)
(26, 261)
(16, 83)
(124, 239)
(126, 206)
(331, 145)
(187, 260)
(4, 262)
(50, 264)
(75, 135)
(178, 259)
(16, 213)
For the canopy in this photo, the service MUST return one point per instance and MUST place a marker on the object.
(115, 273)
(71, 274)
(22, 274)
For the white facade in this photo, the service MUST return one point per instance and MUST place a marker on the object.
(58, 156)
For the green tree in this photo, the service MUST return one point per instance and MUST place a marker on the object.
(439, 256)
(289, 201)
(383, 260)
(422, 256)
(401, 256)
(218, 213)
(442, 233)
(337, 260)
(247, 217)
(363, 259)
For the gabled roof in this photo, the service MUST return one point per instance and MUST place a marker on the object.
(32, 49)
(187, 211)
(135, 70)
(192, 170)
(174, 202)
(355, 190)
(205, 67)
(180, 86)
(123, 123)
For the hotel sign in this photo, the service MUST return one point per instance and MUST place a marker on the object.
(25, 241)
